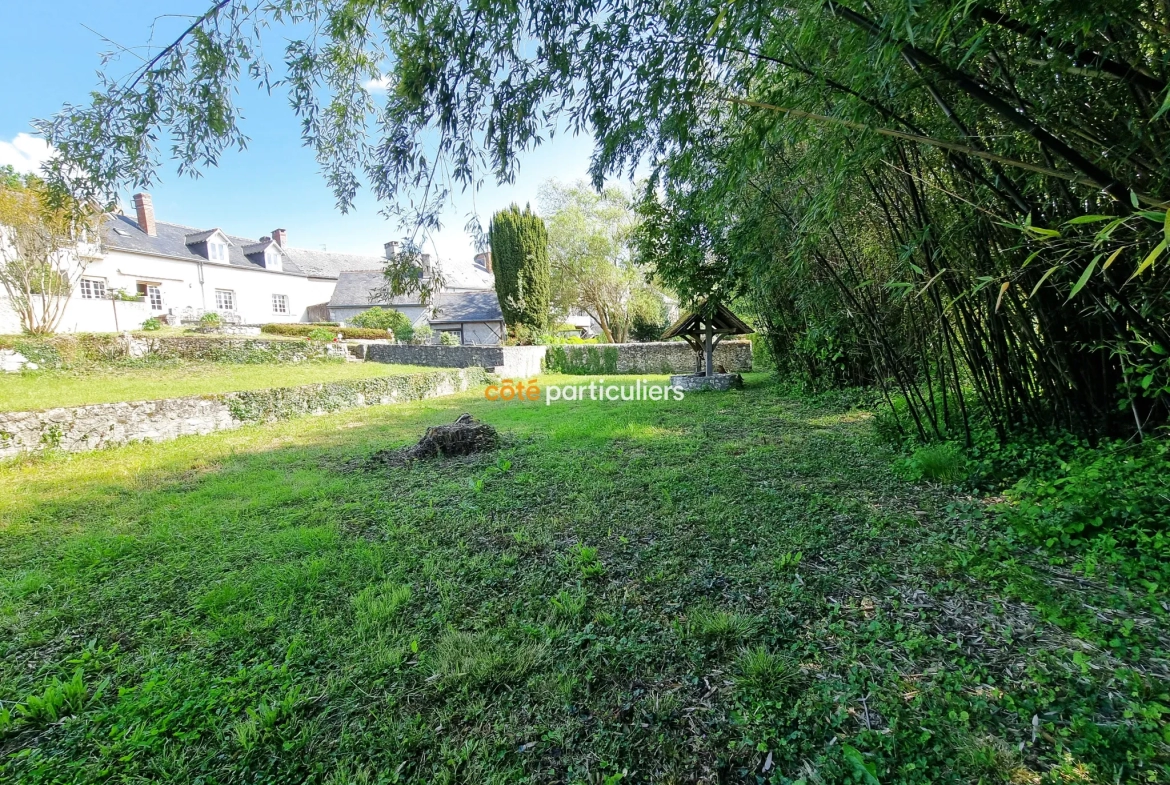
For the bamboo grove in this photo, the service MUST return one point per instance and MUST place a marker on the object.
(960, 202)
(975, 228)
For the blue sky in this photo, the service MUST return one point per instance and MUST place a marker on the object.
(50, 53)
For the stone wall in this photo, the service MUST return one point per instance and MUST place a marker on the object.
(66, 350)
(81, 428)
(670, 357)
(507, 361)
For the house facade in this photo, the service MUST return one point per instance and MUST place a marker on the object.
(145, 268)
(468, 309)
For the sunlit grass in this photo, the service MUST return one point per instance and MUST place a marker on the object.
(667, 589)
(49, 389)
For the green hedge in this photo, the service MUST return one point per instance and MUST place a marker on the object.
(582, 361)
(303, 330)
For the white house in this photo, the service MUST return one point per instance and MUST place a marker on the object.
(177, 272)
(147, 268)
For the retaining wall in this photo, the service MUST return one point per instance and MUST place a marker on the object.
(663, 357)
(80, 428)
(508, 361)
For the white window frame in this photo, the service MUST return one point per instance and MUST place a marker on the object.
(216, 251)
(93, 288)
(152, 293)
(228, 296)
(280, 303)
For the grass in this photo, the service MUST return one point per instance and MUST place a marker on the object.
(49, 389)
(733, 588)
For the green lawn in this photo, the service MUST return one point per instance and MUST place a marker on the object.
(731, 588)
(47, 389)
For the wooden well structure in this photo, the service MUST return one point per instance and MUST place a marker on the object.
(703, 329)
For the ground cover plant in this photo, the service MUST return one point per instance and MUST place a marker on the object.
(173, 379)
(737, 587)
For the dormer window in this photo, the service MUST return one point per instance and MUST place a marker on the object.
(272, 259)
(212, 245)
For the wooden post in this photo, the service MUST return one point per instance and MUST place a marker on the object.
(709, 349)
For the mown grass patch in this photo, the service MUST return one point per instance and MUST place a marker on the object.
(736, 587)
(174, 379)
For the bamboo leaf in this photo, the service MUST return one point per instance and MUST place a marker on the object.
(1165, 106)
(1043, 234)
(1149, 260)
(1002, 289)
(1166, 225)
(1088, 219)
(922, 291)
(1029, 260)
(717, 23)
(1106, 231)
(1112, 256)
(1043, 278)
(1084, 279)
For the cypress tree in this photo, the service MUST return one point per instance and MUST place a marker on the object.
(519, 245)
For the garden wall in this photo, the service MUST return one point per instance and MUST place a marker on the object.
(81, 428)
(509, 361)
(670, 357)
(67, 350)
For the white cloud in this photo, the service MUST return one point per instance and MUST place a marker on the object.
(25, 153)
(379, 85)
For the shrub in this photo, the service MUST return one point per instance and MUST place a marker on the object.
(151, 324)
(648, 328)
(422, 335)
(378, 318)
(449, 339)
(321, 334)
(304, 331)
(210, 319)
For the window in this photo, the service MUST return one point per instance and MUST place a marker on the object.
(217, 252)
(272, 259)
(280, 303)
(153, 295)
(93, 289)
(225, 300)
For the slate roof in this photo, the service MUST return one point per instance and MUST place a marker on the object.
(354, 287)
(122, 233)
(199, 237)
(470, 306)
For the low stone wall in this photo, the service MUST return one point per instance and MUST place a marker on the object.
(236, 350)
(66, 350)
(80, 428)
(669, 357)
(508, 361)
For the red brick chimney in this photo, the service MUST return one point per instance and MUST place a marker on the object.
(280, 236)
(145, 209)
